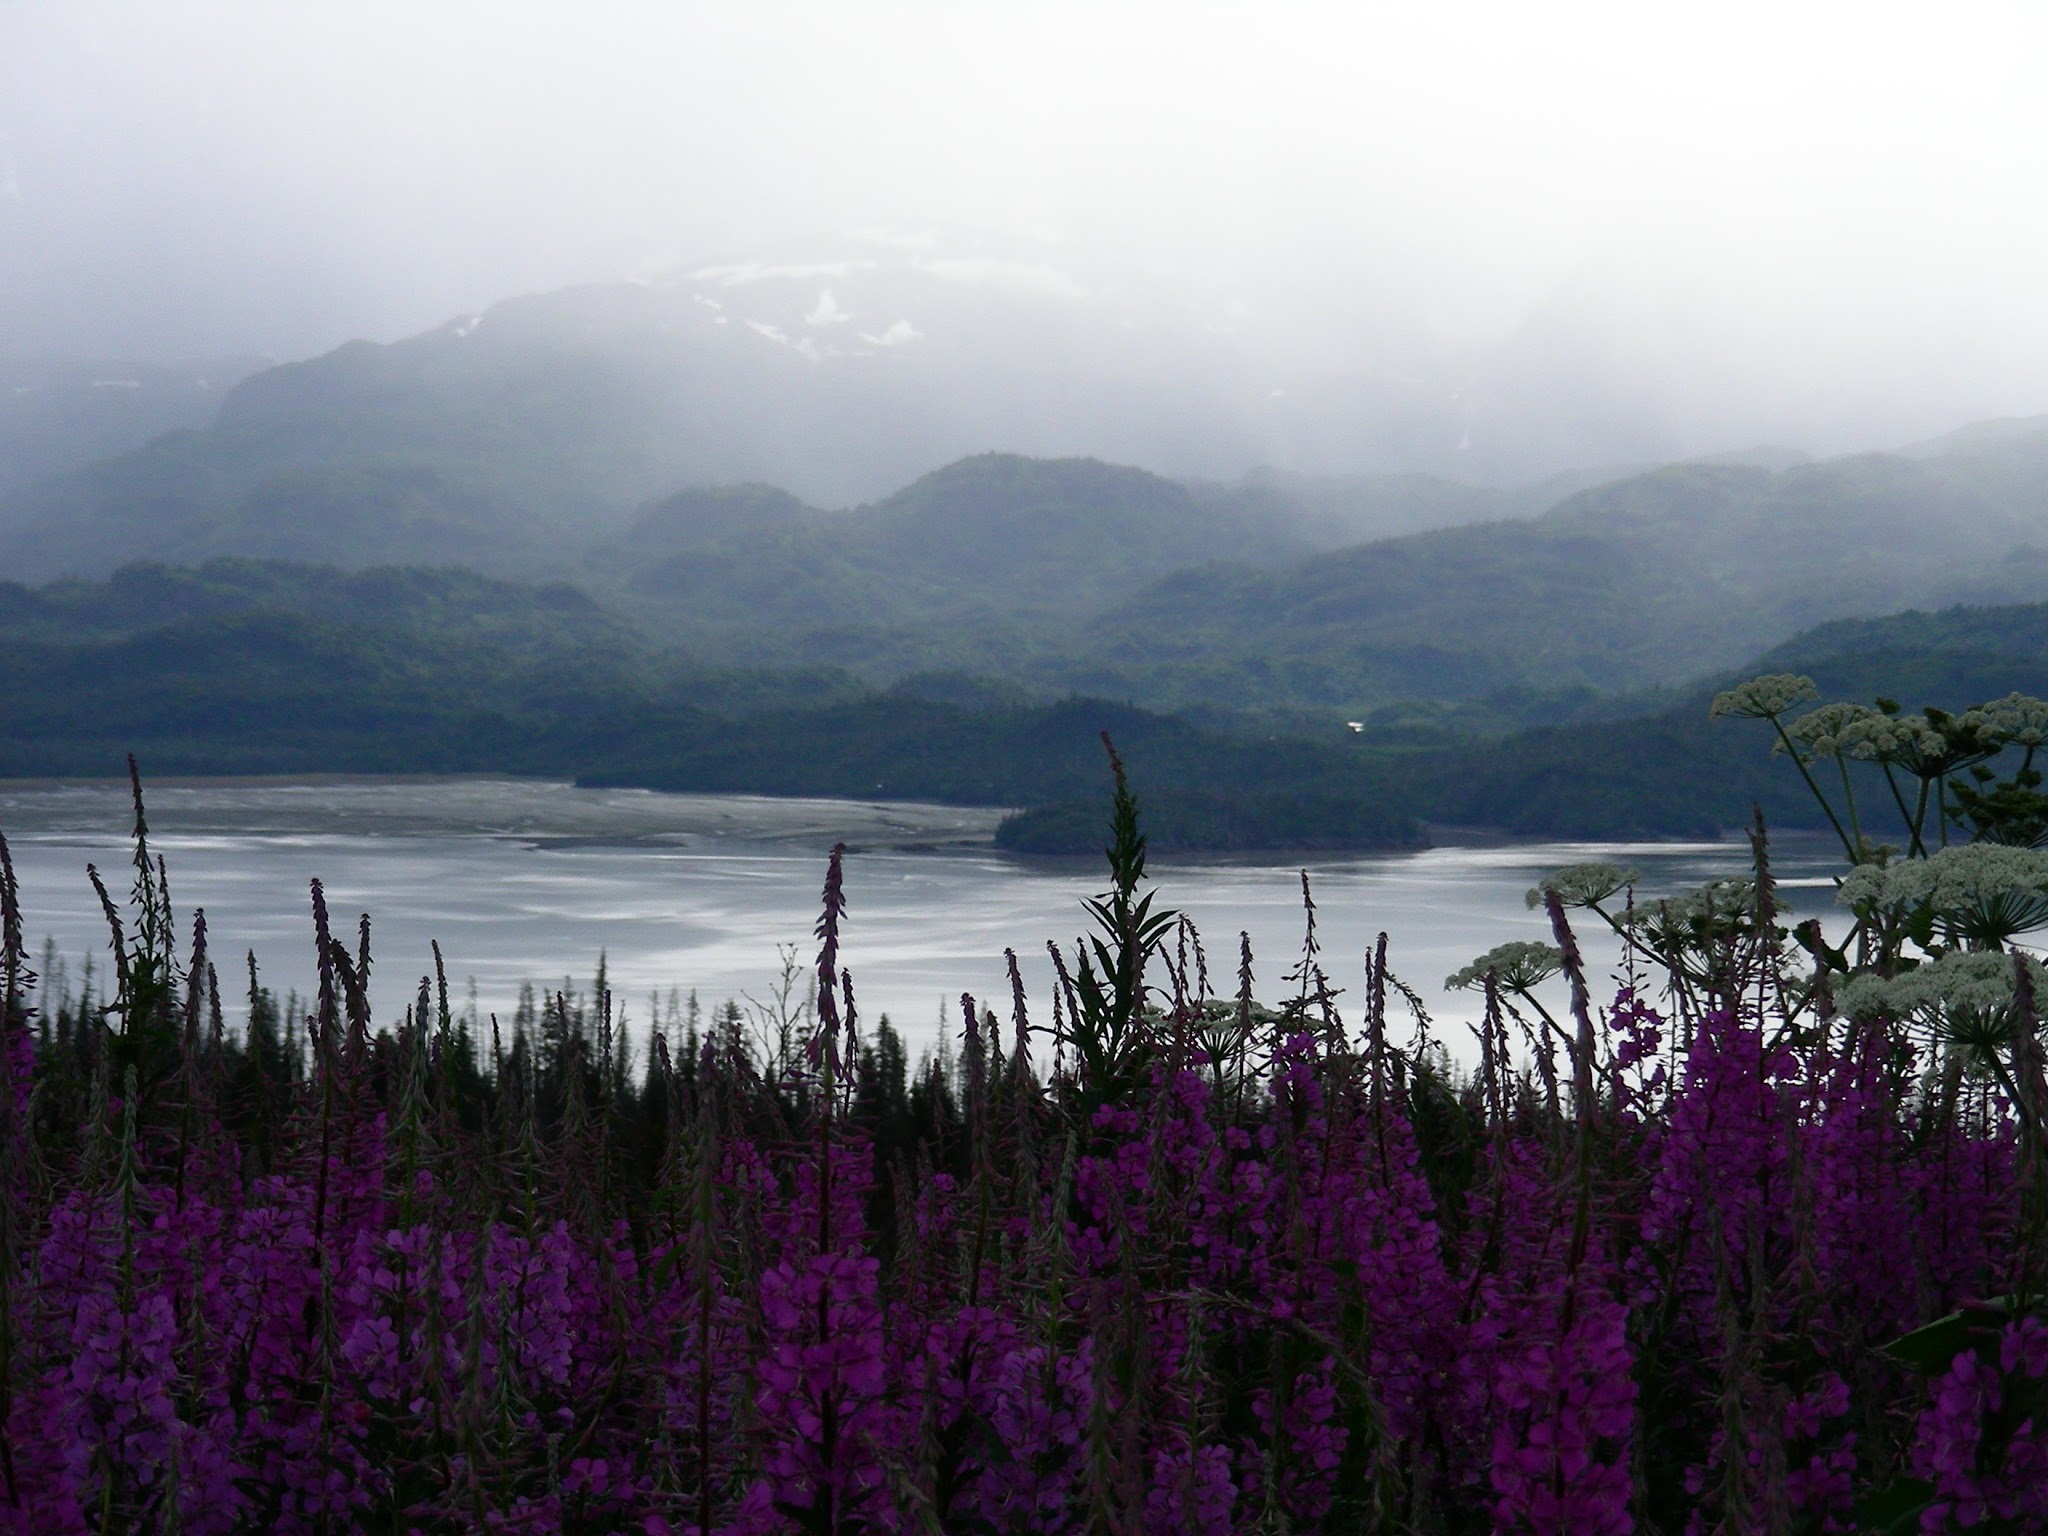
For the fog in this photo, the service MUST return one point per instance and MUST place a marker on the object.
(1705, 227)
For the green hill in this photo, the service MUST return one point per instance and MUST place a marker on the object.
(1675, 772)
(56, 417)
(253, 667)
(395, 600)
(545, 440)
(1642, 582)
(979, 565)
(1080, 576)
(247, 667)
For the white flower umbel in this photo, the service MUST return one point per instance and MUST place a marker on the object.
(1909, 741)
(1518, 966)
(1582, 885)
(1836, 730)
(1987, 891)
(1958, 988)
(1764, 698)
(2018, 720)
(1718, 907)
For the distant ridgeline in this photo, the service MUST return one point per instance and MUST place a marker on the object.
(1296, 662)
(240, 667)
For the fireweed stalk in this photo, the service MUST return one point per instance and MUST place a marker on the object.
(1761, 1264)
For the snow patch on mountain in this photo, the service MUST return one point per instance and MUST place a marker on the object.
(826, 311)
(900, 334)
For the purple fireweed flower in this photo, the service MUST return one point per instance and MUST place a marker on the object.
(532, 1284)
(1191, 1489)
(1311, 1442)
(1041, 1420)
(822, 1382)
(1348, 1281)
(1979, 1475)
(1566, 1401)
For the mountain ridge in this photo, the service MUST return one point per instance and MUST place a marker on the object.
(548, 436)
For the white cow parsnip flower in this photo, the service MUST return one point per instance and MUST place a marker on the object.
(1988, 891)
(1764, 698)
(1582, 885)
(1518, 965)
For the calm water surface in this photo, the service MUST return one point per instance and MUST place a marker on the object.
(528, 881)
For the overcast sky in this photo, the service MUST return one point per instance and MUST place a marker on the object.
(1828, 219)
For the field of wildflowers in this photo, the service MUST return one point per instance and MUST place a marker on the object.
(1749, 1237)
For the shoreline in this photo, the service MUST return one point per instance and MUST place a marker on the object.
(500, 806)
(557, 813)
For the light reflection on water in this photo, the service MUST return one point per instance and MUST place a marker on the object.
(528, 881)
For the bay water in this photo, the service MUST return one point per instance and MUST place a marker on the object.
(530, 881)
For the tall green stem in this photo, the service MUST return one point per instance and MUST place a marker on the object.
(1800, 763)
(1905, 816)
(1849, 797)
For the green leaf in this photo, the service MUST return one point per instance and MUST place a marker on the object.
(1932, 1348)
(1920, 925)
(1824, 955)
(1895, 1507)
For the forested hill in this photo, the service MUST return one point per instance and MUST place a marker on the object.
(408, 600)
(981, 563)
(1675, 772)
(1078, 576)
(1648, 580)
(251, 667)
(530, 445)
(255, 667)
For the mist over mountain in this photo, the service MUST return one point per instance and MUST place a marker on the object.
(838, 375)
(1650, 578)
(921, 479)
(1286, 593)
(665, 445)
(57, 416)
